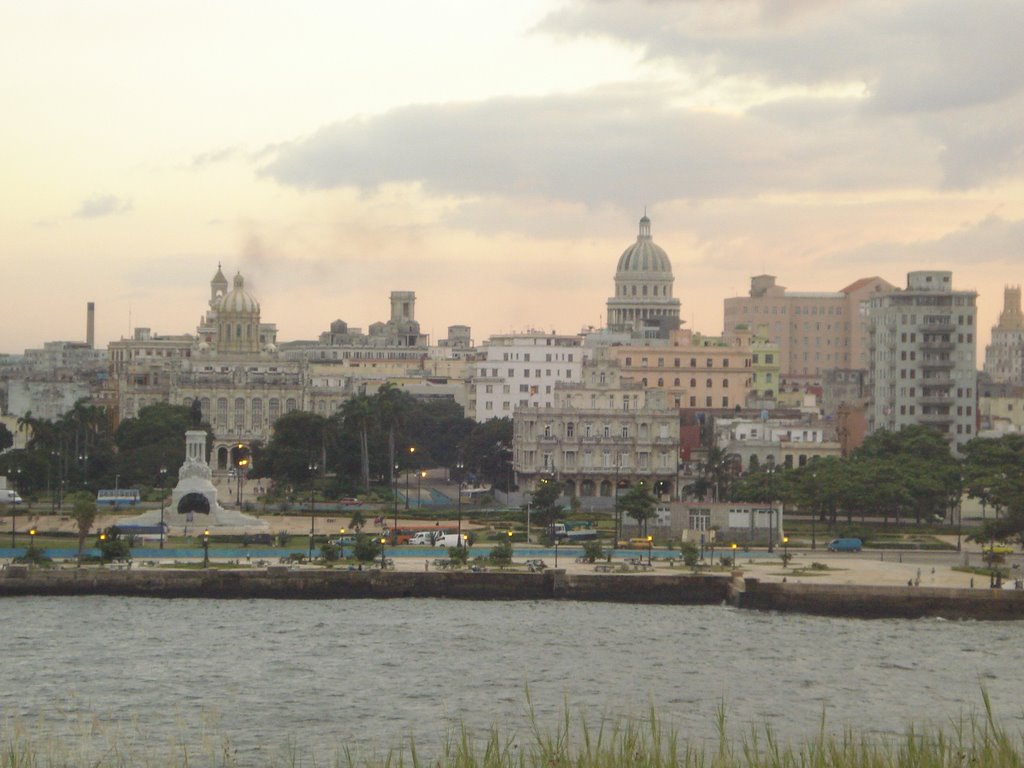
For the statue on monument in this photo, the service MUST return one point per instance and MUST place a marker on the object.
(197, 413)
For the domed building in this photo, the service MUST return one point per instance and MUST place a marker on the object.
(643, 303)
(238, 321)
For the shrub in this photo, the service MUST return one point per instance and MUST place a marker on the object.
(500, 554)
(458, 555)
(367, 548)
(592, 551)
(329, 552)
(691, 553)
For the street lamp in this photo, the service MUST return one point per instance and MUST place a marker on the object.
(206, 548)
(412, 455)
(785, 546)
(650, 546)
(814, 511)
(419, 481)
(458, 492)
(733, 547)
(32, 539)
(771, 509)
(243, 463)
(383, 541)
(394, 498)
(163, 499)
(14, 506)
(312, 509)
(556, 553)
(341, 544)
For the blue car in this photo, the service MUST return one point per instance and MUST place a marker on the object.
(845, 545)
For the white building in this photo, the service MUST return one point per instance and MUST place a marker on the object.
(600, 433)
(643, 304)
(923, 364)
(777, 441)
(519, 370)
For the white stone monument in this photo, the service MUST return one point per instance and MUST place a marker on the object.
(194, 504)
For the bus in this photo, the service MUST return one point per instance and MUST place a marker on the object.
(117, 497)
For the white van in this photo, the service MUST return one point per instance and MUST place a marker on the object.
(8, 496)
(423, 538)
(450, 540)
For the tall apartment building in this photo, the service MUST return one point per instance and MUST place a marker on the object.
(516, 370)
(601, 432)
(1004, 356)
(815, 331)
(923, 369)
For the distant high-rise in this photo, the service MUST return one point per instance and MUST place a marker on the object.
(923, 369)
(1004, 357)
(90, 325)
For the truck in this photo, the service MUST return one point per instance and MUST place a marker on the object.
(9, 496)
(567, 532)
(450, 540)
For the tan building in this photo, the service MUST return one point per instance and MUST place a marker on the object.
(694, 371)
(1004, 356)
(815, 331)
(600, 433)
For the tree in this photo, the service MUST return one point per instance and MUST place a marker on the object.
(6, 438)
(367, 548)
(639, 504)
(358, 521)
(357, 411)
(83, 512)
(151, 440)
(544, 501)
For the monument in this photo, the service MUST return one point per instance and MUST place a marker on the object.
(194, 499)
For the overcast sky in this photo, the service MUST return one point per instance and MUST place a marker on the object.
(495, 157)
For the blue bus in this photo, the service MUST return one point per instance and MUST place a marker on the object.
(117, 497)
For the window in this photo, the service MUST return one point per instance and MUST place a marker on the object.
(570, 429)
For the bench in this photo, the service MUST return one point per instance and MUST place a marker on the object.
(536, 566)
(443, 564)
(604, 568)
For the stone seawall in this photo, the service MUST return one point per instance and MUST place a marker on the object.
(869, 602)
(282, 583)
(676, 589)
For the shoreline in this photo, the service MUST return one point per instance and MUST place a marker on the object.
(737, 590)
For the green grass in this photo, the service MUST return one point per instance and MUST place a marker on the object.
(643, 742)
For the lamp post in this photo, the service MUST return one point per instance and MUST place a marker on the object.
(163, 499)
(383, 541)
(206, 548)
(556, 553)
(341, 544)
(959, 513)
(771, 509)
(394, 498)
(785, 547)
(814, 511)
(412, 455)
(419, 488)
(312, 508)
(14, 506)
(650, 546)
(458, 492)
(32, 539)
(733, 547)
(243, 463)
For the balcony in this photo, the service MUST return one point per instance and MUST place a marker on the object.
(938, 363)
(937, 346)
(936, 418)
(936, 399)
(946, 326)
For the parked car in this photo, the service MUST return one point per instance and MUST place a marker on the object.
(845, 545)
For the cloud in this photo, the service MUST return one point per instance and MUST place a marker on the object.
(620, 145)
(103, 205)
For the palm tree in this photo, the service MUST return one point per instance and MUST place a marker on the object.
(358, 411)
(390, 406)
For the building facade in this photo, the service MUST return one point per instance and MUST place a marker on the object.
(643, 304)
(815, 331)
(600, 433)
(923, 368)
(521, 370)
(1004, 356)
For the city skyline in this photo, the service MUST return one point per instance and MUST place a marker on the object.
(496, 160)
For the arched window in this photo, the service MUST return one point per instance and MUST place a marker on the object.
(693, 383)
(676, 383)
(709, 384)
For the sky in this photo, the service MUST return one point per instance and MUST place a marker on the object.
(495, 157)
